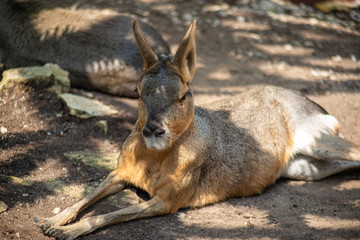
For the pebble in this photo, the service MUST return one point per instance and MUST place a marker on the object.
(247, 223)
(3, 130)
(288, 47)
(3, 206)
(17, 234)
(313, 21)
(181, 215)
(240, 19)
(353, 57)
(56, 210)
(336, 58)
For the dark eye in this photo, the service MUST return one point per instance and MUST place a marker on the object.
(185, 96)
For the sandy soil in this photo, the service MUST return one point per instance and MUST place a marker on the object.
(237, 49)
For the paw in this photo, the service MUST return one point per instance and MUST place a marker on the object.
(63, 232)
(43, 223)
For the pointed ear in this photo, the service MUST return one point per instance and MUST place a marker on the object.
(185, 57)
(148, 55)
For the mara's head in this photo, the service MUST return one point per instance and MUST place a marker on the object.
(166, 106)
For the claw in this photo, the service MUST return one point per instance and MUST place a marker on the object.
(37, 220)
(62, 237)
(42, 223)
(53, 232)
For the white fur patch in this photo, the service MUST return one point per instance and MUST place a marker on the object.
(158, 143)
(306, 133)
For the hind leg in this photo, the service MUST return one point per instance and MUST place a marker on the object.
(309, 169)
(332, 147)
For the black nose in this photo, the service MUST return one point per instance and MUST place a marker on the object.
(151, 129)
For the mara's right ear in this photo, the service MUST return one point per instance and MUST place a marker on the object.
(148, 55)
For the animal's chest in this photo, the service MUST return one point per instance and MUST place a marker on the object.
(142, 173)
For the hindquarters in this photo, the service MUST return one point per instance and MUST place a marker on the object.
(258, 136)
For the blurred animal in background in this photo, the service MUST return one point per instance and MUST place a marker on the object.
(96, 46)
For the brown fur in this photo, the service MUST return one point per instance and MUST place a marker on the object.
(188, 157)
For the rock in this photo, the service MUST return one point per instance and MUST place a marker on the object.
(3, 206)
(181, 215)
(3, 130)
(83, 107)
(50, 77)
(288, 47)
(336, 58)
(62, 81)
(247, 223)
(241, 19)
(37, 77)
(103, 125)
(56, 210)
(353, 57)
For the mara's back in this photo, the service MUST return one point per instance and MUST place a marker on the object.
(249, 138)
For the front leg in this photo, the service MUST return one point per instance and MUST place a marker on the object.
(110, 185)
(154, 207)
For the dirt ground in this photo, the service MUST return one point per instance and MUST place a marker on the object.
(237, 48)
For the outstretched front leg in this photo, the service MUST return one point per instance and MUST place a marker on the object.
(154, 207)
(112, 184)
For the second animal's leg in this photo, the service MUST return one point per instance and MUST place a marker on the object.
(110, 185)
(305, 168)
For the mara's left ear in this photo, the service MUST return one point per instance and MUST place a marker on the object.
(148, 55)
(185, 57)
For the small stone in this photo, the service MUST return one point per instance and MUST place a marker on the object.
(336, 58)
(56, 210)
(3, 206)
(103, 125)
(182, 215)
(315, 73)
(17, 234)
(240, 19)
(25, 194)
(3, 130)
(288, 47)
(314, 21)
(353, 57)
(250, 54)
(247, 223)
